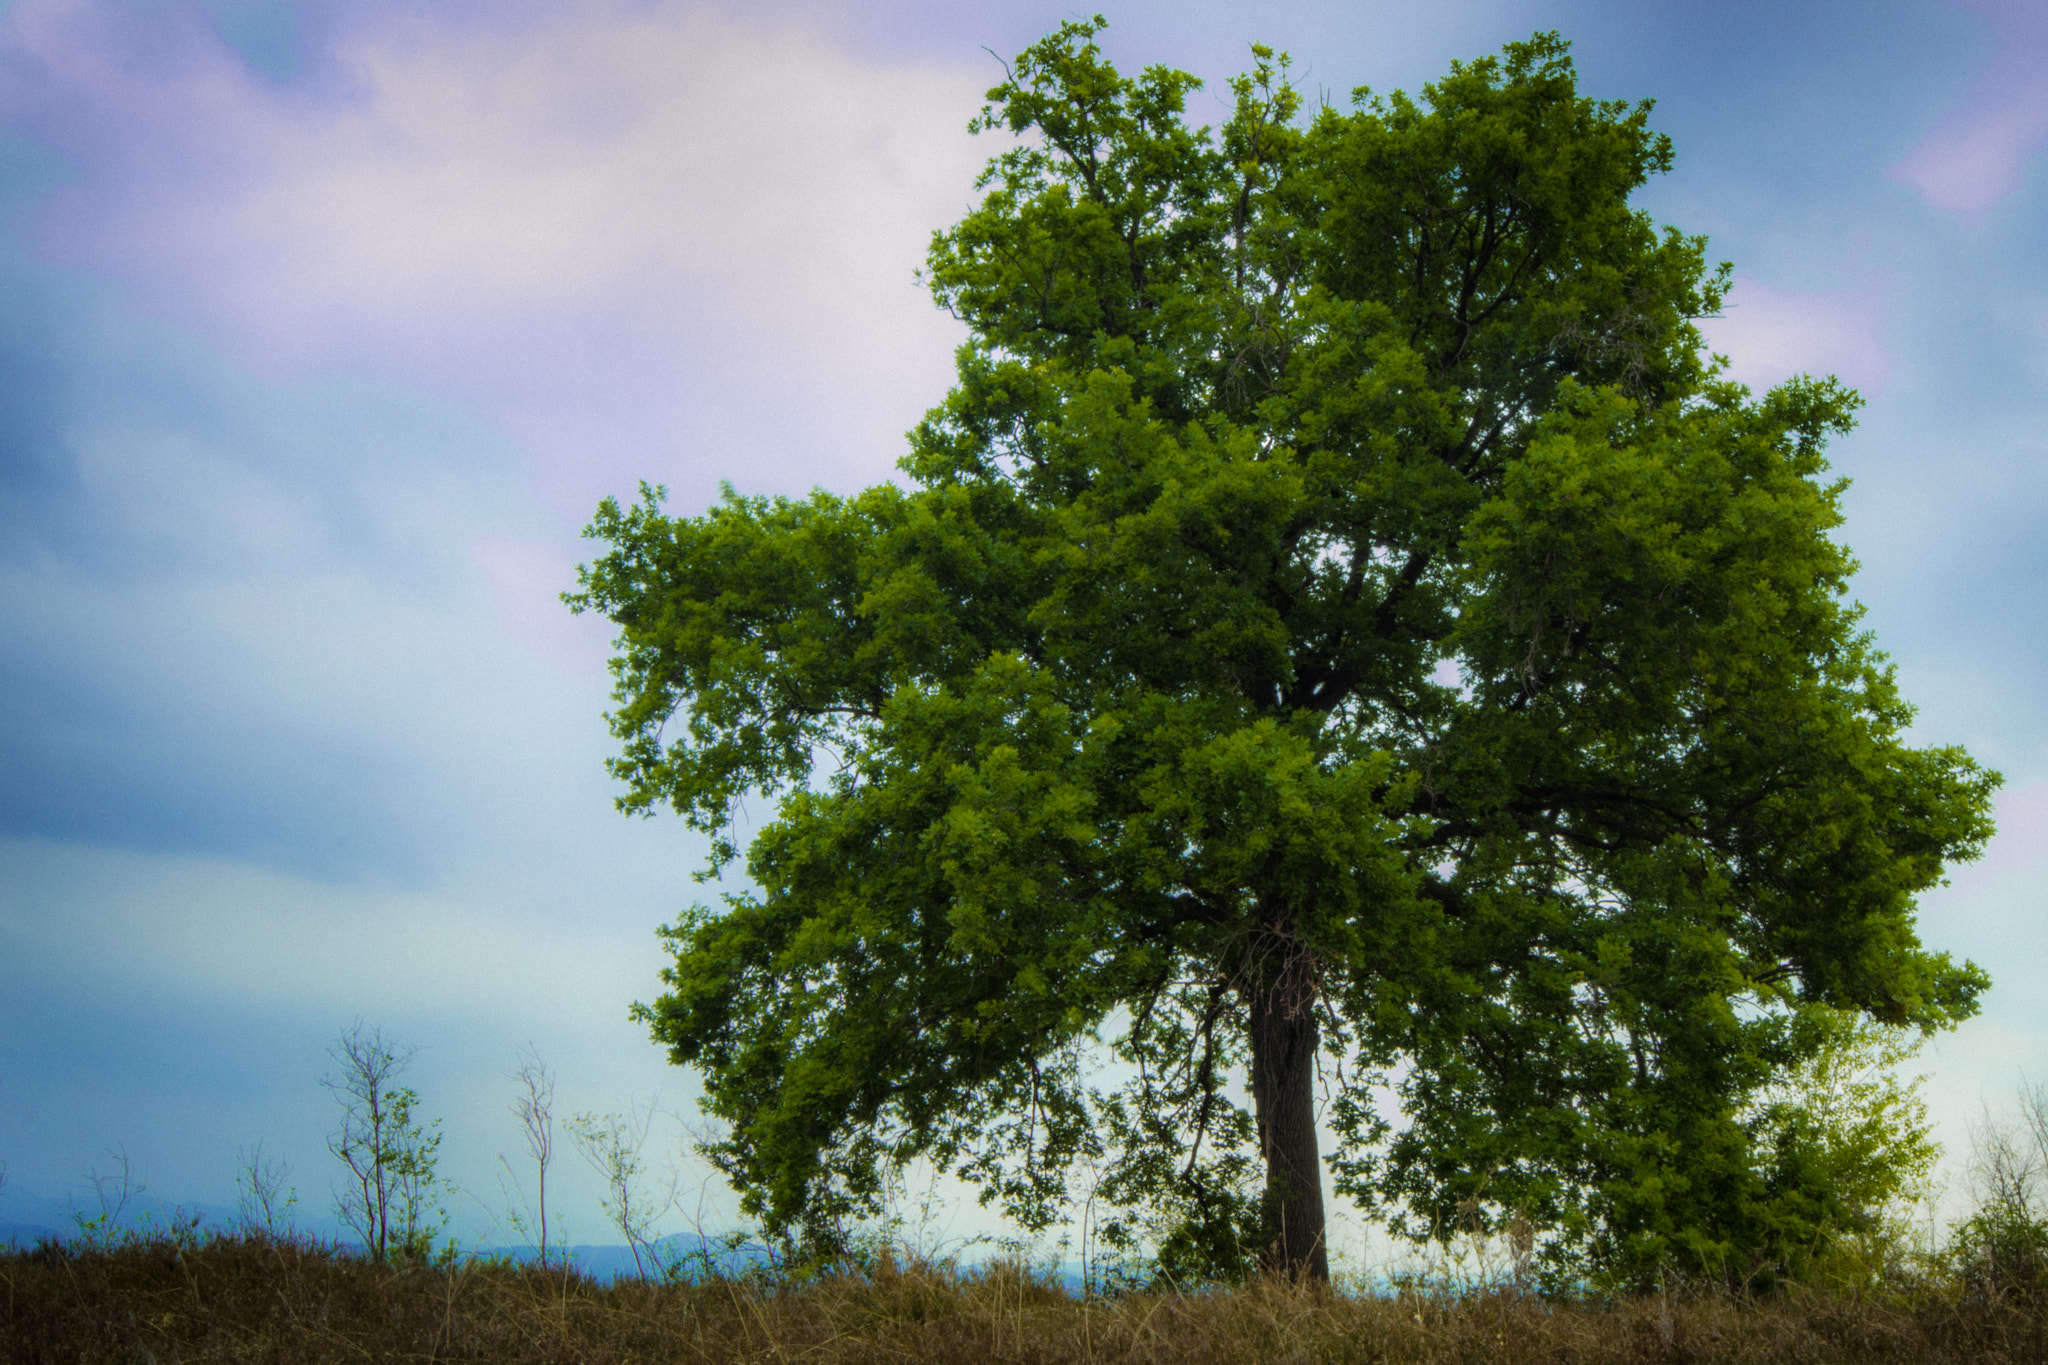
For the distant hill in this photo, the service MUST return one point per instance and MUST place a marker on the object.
(27, 1218)
(607, 1263)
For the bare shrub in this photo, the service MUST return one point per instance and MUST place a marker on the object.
(534, 1106)
(390, 1157)
(614, 1145)
(263, 1201)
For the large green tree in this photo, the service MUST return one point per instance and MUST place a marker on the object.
(1336, 640)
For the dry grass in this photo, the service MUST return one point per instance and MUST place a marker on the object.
(256, 1299)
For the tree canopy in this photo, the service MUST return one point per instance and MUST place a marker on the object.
(1339, 660)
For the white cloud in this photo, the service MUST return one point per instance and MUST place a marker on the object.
(257, 939)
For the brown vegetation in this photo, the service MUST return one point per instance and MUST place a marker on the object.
(255, 1298)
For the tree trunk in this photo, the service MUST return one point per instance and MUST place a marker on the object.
(1284, 1037)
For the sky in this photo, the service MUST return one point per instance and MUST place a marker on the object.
(325, 324)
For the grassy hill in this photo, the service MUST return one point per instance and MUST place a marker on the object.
(254, 1298)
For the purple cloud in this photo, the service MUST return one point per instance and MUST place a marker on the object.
(643, 239)
(1770, 334)
(2022, 828)
(1974, 157)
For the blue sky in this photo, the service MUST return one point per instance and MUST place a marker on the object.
(323, 327)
